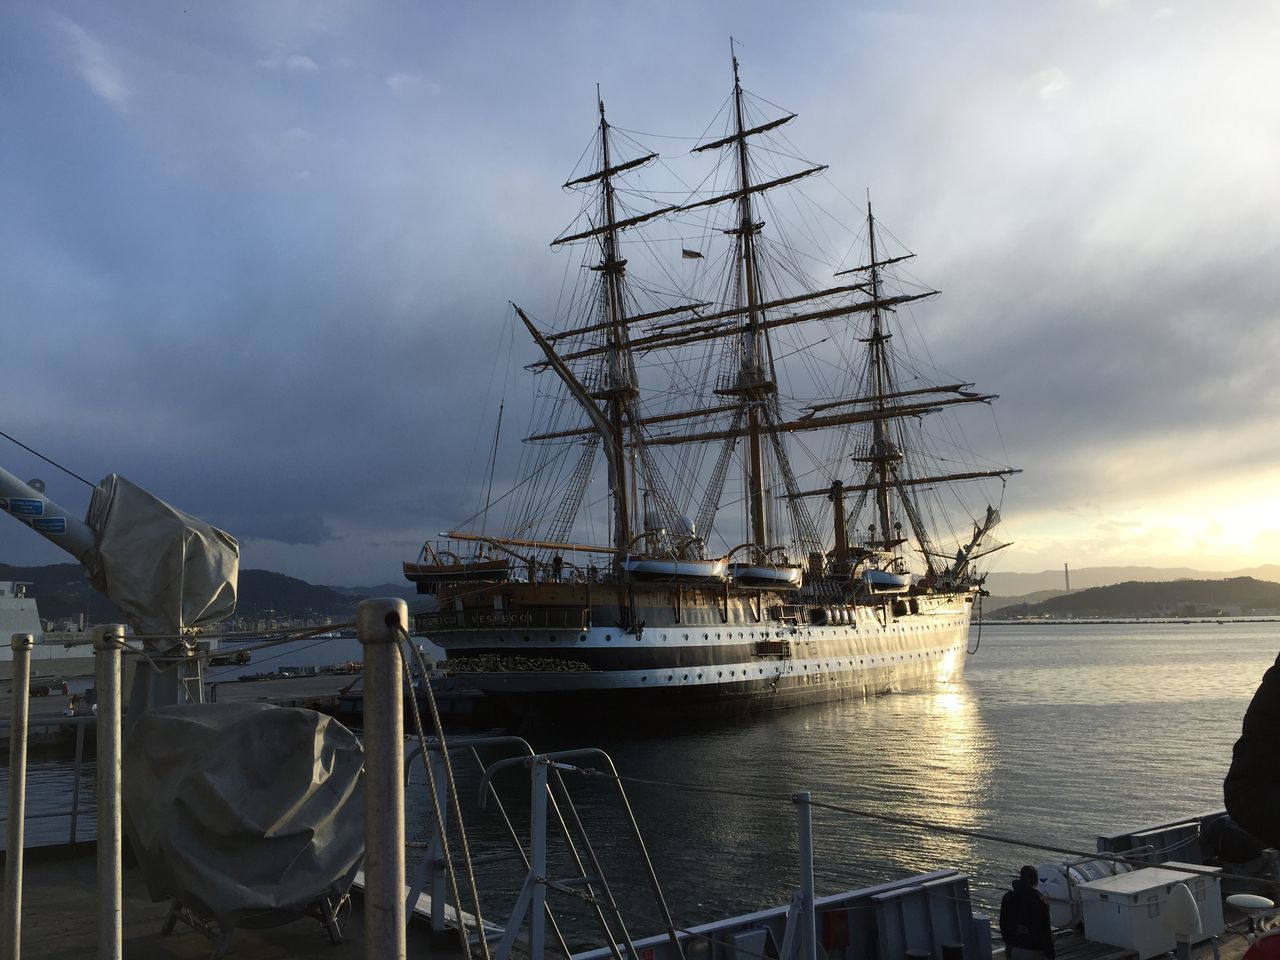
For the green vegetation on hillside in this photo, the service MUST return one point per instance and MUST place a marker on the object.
(1234, 596)
(64, 593)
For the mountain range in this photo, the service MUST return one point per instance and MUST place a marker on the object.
(1052, 582)
(65, 594)
(1233, 596)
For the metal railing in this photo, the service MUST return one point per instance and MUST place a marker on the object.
(79, 763)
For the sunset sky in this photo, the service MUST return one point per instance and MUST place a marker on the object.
(257, 256)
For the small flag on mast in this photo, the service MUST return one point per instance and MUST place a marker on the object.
(690, 254)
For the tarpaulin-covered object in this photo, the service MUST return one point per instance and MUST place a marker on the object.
(166, 570)
(244, 812)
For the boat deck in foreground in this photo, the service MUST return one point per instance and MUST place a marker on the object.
(60, 909)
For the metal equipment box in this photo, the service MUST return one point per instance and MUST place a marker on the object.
(1131, 910)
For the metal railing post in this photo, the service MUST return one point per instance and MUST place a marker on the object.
(72, 831)
(808, 926)
(22, 644)
(108, 642)
(379, 626)
(538, 858)
(440, 867)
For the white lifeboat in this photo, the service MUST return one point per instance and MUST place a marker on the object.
(668, 569)
(779, 576)
(882, 581)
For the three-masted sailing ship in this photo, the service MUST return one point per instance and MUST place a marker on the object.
(775, 532)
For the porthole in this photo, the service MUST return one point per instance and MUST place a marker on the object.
(669, 677)
(643, 679)
(719, 673)
(686, 676)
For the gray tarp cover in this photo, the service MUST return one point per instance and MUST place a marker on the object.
(165, 570)
(244, 809)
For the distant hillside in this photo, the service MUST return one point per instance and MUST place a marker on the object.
(64, 593)
(1022, 584)
(994, 602)
(1234, 596)
(405, 591)
(263, 592)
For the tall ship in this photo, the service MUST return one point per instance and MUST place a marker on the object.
(737, 496)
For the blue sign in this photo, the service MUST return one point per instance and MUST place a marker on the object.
(49, 525)
(23, 507)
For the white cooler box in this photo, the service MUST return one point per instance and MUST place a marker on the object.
(1132, 909)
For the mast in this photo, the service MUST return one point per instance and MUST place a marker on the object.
(752, 386)
(619, 388)
(883, 452)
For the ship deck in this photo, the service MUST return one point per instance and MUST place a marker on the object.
(59, 916)
(60, 910)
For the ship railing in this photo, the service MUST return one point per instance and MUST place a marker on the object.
(548, 774)
(59, 782)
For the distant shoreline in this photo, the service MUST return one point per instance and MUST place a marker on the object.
(1100, 621)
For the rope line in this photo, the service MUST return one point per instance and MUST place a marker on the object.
(52, 463)
(898, 820)
(452, 783)
(428, 768)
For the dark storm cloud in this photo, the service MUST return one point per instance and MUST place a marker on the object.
(257, 257)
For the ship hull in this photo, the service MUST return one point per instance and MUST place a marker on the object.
(688, 666)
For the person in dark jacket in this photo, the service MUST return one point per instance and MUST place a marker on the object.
(1024, 920)
(1252, 787)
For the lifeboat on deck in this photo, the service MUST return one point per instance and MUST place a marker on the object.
(669, 570)
(777, 576)
(883, 581)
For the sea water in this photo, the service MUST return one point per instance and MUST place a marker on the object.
(1055, 734)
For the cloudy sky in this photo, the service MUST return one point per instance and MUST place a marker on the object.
(256, 256)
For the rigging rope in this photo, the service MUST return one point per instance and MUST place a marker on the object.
(424, 675)
(978, 642)
(925, 825)
(53, 463)
(436, 811)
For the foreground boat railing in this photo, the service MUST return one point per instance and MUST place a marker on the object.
(547, 783)
(108, 645)
(22, 644)
(431, 873)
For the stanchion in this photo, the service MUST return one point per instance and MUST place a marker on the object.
(809, 934)
(107, 645)
(379, 624)
(12, 946)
